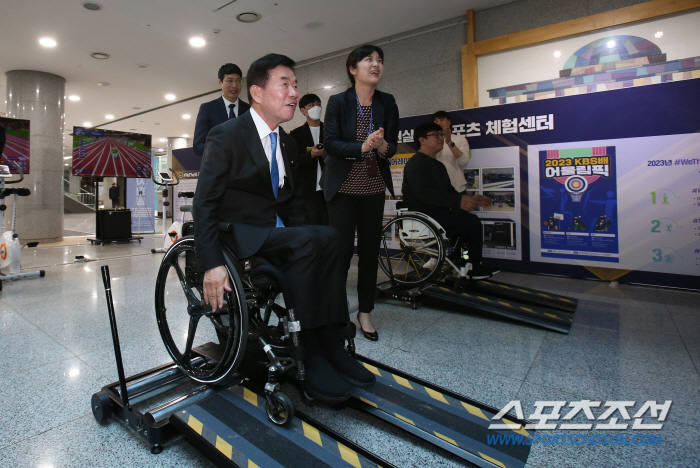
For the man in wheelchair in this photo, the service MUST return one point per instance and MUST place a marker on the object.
(427, 188)
(246, 183)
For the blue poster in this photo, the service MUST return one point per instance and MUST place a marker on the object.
(578, 204)
(140, 196)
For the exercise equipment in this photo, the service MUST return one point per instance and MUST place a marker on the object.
(167, 182)
(10, 246)
(415, 271)
(178, 228)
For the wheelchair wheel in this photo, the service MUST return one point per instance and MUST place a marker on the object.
(282, 411)
(185, 321)
(419, 254)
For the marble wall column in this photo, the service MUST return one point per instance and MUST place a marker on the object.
(39, 97)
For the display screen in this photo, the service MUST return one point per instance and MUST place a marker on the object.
(16, 144)
(166, 177)
(108, 153)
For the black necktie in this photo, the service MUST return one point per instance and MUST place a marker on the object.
(231, 114)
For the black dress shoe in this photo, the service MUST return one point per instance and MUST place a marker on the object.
(323, 382)
(331, 348)
(371, 336)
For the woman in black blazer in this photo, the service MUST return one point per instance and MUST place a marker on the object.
(361, 132)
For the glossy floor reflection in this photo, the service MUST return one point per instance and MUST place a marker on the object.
(628, 343)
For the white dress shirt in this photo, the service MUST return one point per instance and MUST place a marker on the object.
(455, 167)
(264, 133)
(237, 102)
(316, 135)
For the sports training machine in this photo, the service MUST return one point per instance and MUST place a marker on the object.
(414, 251)
(222, 390)
(10, 246)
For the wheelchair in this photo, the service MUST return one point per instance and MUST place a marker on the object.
(415, 248)
(252, 325)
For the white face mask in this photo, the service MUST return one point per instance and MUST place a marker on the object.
(315, 113)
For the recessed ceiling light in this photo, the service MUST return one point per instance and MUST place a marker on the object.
(161, 149)
(92, 6)
(67, 157)
(100, 55)
(557, 54)
(185, 116)
(658, 34)
(143, 65)
(170, 97)
(137, 108)
(103, 83)
(87, 124)
(327, 87)
(109, 116)
(197, 42)
(314, 25)
(611, 44)
(248, 17)
(163, 139)
(74, 98)
(185, 135)
(47, 42)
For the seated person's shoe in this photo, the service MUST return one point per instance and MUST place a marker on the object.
(348, 367)
(323, 382)
(480, 272)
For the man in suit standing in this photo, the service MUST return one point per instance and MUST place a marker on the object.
(221, 109)
(246, 180)
(310, 159)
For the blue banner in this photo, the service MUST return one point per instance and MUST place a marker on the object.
(140, 197)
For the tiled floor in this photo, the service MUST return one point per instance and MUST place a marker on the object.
(627, 343)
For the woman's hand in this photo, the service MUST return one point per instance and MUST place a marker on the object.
(375, 140)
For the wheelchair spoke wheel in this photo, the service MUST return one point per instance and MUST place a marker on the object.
(186, 322)
(412, 250)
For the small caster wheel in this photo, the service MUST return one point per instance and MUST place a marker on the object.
(283, 411)
(101, 406)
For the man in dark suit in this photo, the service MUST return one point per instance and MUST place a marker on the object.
(310, 160)
(221, 109)
(246, 180)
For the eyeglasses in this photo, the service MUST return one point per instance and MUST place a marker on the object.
(228, 81)
(436, 135)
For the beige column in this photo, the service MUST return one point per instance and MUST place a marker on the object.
(39, 97)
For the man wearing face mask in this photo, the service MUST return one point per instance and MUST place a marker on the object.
(307, 171)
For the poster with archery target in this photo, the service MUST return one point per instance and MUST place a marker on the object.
(578, 204)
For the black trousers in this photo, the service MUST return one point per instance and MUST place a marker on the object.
(309, 259)
(364, 213)
(316, 209)
(469, 228)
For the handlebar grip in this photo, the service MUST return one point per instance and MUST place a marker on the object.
(185, 194)
(105, 277)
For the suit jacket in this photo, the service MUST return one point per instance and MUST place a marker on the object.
(210, 115)
(341, 137)
(305, 168)
(235, 186)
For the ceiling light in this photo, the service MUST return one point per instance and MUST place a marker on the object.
(143, 65)
(47, 42)
(170, 97)
(100, 55)
(314, 25)
(92, 6)
(103, 83)
(163, 139)
(197, 42)
(68, 157)
(87, 124)
(137, 108)
(185, 116)
(611, 44)
(109, 116)
(328, 87)
(557, 54)
(74, 98)
(185, 135)
(658, 34)
(248, 17)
